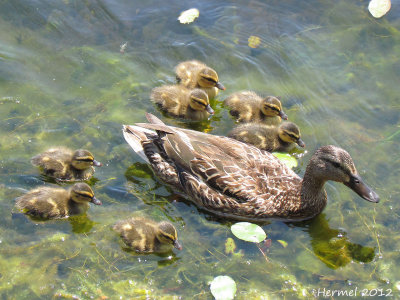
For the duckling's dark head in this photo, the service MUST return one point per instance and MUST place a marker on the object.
(271, 106)
(199, 101)
(290, 133)
(82, 193)
(208, 78)
(167, 234)
(334, 163)
(83, 159)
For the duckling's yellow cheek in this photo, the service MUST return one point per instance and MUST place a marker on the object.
(33, 200)
(126, 227)
(46, 158)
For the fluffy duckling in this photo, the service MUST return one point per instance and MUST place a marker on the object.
(269, 138)
(195, 74)
(181, 102)
(54, 203)
(146, 236)
(66, 165)
(247, 107)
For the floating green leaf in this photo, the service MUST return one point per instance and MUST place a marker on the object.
(283, 243)
(188, 16)
(286, 158)
(223, 288)
(248, 232)
(379, 8)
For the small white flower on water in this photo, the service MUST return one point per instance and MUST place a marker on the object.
(188, 16)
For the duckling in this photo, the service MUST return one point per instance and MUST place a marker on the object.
(269, 138)
(55, 203)
(247, 107)
(195, 74)
(146, 236)
(179, 101)
(65, 165)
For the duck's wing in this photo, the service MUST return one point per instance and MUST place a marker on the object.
(230, 167)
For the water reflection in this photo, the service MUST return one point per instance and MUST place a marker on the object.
(332, 246)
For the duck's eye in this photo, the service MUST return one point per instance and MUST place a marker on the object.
(273, 108)
(336, 164)
(210, 79)
(356, 181)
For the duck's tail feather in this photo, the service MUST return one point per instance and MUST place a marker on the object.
(134, 136)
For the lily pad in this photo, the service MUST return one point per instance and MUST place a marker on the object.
(379, 8)
(223, 288)
(188, 16)
(286, 158)
(248, 232)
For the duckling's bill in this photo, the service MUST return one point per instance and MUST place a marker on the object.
(97, 163)
(220, 86)
(209, 109)
(301, 143)
(283, 115)
(177, 245)
(96, 201)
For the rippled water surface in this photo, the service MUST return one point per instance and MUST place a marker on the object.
(63, 81)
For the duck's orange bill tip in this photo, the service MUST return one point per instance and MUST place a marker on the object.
(210, 110)
(220, 86)
(177, 245)
(301, 143)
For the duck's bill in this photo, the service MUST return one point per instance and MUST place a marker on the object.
(301, 143)
(96, 201)
(220, 86)
(209, 109)
(356, 184)
(177, 245)
(283, 115)
(97, 163)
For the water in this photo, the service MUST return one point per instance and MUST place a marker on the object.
(63, 81)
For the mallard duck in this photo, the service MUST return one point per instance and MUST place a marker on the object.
(269, 138)
(247, 107)
(236, 180)
(52, 203)
(66, 165)
(195, 74)
(181, 102)
(146, 236)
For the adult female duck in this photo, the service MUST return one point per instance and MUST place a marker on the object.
(239, 181)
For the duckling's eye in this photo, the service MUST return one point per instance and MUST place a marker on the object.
(356, 181)
(273, 108)
(85, 159)
(336, 164)
(199, 102)
(210, 79)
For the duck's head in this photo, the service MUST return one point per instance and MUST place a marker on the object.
(199, 101)
(272, 107)
(290, 133)
(208, 78)
(333, 163)
(167, 235)
(82, 193)
(83, 159)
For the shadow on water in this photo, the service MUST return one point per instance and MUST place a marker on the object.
(332, 246)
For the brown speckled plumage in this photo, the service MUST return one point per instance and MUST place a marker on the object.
(240, 181)
(146, 236)
(179, 101)
(247, 106)
(195, 74)
(53, 203)
(66, 165)
(269, 138)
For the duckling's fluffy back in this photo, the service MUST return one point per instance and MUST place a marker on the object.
(44, 202)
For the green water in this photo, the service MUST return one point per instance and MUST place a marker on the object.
(64, 82)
